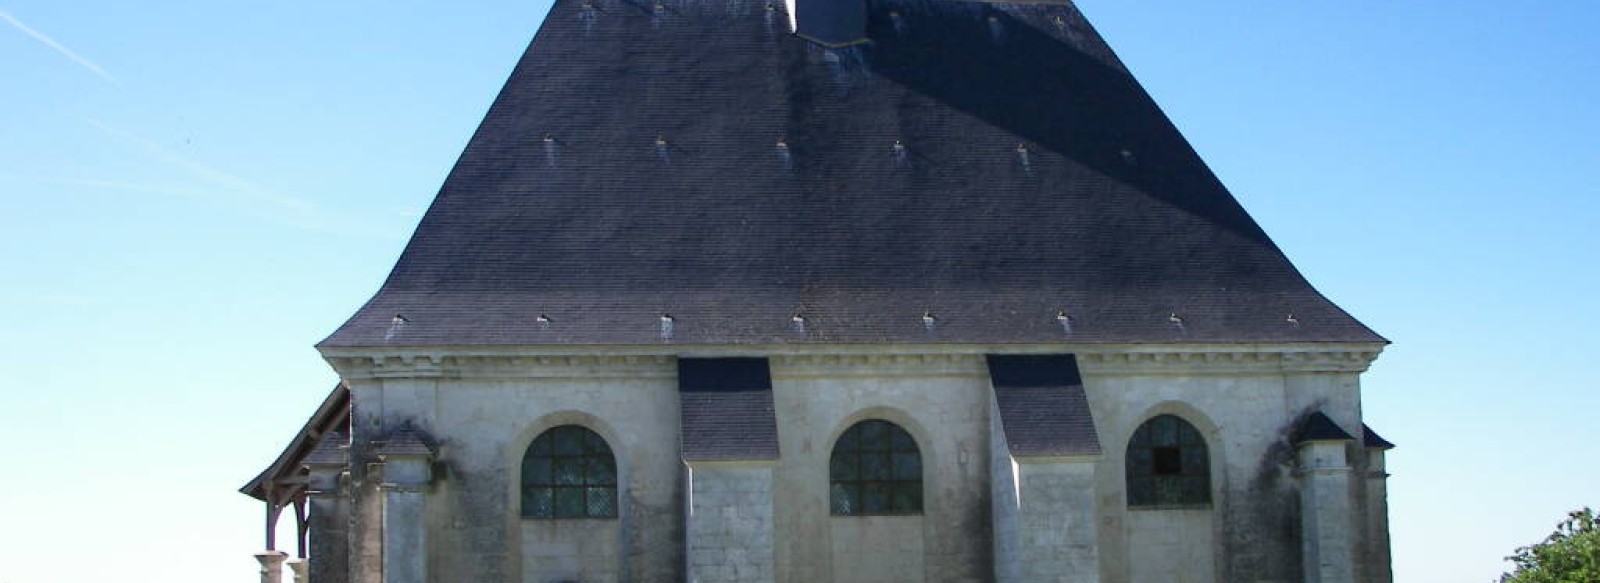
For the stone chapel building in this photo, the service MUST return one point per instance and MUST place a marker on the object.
(835, 291)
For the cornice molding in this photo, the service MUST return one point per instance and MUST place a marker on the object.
(633, 366)
(1226, 362)
(846, 360)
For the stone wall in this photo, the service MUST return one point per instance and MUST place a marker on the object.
(485, 412)
(1247, 418)
(730, 530)
(943, 404)
(1171, 546)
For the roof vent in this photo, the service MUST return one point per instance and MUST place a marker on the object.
(663, 150)
(928, 320)
(668, 326)
(831, 23)
(784, 154)
(1065, 320)
(395, 326)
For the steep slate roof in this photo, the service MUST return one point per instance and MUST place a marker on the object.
(990, 165)
(1043, 408)
(1371, 439)
(1319, 427)
(726, 409)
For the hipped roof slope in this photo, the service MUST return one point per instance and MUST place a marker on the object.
(976, 173)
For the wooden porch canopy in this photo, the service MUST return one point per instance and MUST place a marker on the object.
(285, 482)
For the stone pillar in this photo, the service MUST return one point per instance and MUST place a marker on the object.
(1058, 534)
(1044, 516)
(1042, 486)
(407, 474)
(1325, 512)
(729, 538)
(271, 566)
(330, 520)
(300, 568)
(1379, 569)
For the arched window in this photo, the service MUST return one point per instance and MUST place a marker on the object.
(1168, 465)
(569, 472)
(876, 469)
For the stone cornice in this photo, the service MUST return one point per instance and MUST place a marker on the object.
(1227, 361)
(843, 360)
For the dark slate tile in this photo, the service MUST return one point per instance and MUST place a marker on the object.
(1318, 427)
(726, 409)
(991, 164)
(1043, 408)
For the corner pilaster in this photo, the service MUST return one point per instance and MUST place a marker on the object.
(329, 498)
(1379, 558)
(1327, 529)
(407, 476)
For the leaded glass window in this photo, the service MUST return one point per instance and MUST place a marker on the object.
(876, 469)
(1168, 465)
(569, 472)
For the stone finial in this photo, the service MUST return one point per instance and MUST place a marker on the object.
(271, 565)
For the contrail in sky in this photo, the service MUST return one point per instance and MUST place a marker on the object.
(66, 52)
(229, 183)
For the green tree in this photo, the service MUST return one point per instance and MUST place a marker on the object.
(1570, 555)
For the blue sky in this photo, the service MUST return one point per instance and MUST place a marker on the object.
(192, 193)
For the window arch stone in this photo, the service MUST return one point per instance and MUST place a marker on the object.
(1167, 464)
(875, 470)
(569, 472)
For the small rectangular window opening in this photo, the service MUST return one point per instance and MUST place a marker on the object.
(1168, 461)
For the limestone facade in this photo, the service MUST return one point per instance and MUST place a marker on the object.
(1277, 512)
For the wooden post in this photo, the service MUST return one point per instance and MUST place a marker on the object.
(301, 526)
(272, 523)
